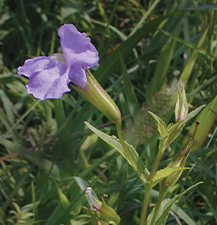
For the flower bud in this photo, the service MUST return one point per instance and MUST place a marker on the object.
(101, 212)
(181, 109)
(99, 98)
(179, 160)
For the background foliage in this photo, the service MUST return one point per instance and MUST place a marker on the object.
(47, 154)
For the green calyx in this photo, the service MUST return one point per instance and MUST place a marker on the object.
(98, 97)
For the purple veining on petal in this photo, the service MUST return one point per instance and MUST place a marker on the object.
(77, 48)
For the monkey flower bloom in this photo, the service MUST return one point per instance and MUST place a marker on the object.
(49, 76)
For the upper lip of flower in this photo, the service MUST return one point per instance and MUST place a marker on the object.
(49, 76)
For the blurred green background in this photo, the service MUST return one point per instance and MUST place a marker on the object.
(47, 155)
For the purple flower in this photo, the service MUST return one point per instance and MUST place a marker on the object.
(49, 76)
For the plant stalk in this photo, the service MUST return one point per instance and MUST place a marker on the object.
(161, 196)
(155, 165)
(145, 205)
(148, 188)
(121, 138)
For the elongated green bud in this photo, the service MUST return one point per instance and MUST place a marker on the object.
(98, 97)
(181, 109)
(179, 160)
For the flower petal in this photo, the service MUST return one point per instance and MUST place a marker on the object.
(36, 64)
(49, 83)
(77, 75)
(77, 48)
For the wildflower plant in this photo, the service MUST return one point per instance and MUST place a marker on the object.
(49, 78)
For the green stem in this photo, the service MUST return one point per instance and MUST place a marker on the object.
(121, 138)
(155, 165)
(153, 171)
(145, 205)
(161, 196)
(148, 188)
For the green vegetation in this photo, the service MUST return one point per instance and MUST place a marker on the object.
(48, 156)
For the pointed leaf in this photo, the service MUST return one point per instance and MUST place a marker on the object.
(112, 62)
(165, 208)
(163, 63)
(63, 199)
(166, 172)
(129, 89)
(163, 132)
(191, 61)
(161, 125)
(164, 211)
(183, 215)
(194, 113)
(137, 163)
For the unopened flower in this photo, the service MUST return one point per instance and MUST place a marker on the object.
(102, 214)
(93, 201)
(181, 109)
(49, 76)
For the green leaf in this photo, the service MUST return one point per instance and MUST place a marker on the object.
(112, 62)
(147, 13)
(64, 136)
(161, 71)
(129, 89)
(166, 206)
(108, 214)
(194, 113)
(54, 216)
(164, 211)
(188, 44)
(161, 125)
(166, 172)
(203, 7)
(7, 106)
(171, 132)
(137, 163)
(170, 203)
(63, 199)
(80, 220)
(207, 119)
(183, 215)
(174, 131)
(163, 132)
(191, 61)
(2, 215)
(34, 158)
